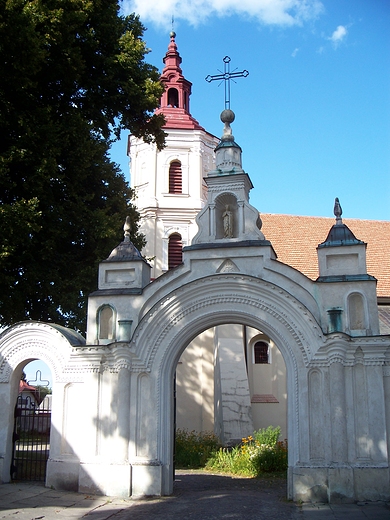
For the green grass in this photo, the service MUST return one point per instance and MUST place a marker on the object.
(257, 455)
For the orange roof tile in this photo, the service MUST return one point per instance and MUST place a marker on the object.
(295, 240)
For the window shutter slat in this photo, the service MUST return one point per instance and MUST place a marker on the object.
(175, 251)
(175, 177)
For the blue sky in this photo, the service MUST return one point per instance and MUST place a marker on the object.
(312, 117)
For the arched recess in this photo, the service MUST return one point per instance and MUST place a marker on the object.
(174, 321)
(227, 216)
(20, 344)
(357, 313)
(106, 324)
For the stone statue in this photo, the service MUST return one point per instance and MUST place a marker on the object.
(227, 223)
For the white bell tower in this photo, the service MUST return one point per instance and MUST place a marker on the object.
(169, 183)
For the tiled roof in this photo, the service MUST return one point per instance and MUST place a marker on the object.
(384, 319)
(295, 240)
(25, 387)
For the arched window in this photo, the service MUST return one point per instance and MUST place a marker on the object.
(260, 350)
(106, 322)
(175, 251)
(357, 319)
(175, 177)
(173, 98)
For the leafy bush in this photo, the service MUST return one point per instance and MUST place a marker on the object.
(260, 453)
(267, 436)
(235, 461)
(271, 459)
(193, 449)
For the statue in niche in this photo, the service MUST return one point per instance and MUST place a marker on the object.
(227, 218)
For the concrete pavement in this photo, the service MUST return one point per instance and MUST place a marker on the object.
(197, 496)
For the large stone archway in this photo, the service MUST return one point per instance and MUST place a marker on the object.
(172, 323)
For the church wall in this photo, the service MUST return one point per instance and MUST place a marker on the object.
(163, 213)
(143, 172)
(195, 394)
(268, 380)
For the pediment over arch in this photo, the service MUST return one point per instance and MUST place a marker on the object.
(228, 266)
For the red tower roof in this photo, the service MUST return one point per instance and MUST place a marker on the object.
(175, 101)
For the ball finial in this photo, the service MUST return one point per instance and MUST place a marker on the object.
(227, 116)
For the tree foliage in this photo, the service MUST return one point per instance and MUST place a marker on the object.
(72, 75)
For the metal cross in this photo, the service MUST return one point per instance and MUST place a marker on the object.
(38, 381)
(226, 76)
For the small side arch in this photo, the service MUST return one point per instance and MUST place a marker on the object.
(20, 344)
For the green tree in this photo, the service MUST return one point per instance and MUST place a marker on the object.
(72, 75)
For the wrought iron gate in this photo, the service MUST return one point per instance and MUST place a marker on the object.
(31, 438)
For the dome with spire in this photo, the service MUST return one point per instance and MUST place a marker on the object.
(175, 101)
(339, 234)
(126, 250)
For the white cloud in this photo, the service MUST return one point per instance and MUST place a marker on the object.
(268, 12)
(295, 52)
(338, 35)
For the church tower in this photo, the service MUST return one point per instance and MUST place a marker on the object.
(183, 196)
(169, 183)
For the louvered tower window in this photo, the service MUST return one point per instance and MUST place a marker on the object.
(175, 251)
(175, 177)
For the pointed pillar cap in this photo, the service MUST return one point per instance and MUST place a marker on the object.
(339, 234)
(126, 250)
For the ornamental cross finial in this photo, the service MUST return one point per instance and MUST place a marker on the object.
(38, 381)
(226, 76)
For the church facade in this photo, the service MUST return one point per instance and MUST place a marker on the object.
(184, 317)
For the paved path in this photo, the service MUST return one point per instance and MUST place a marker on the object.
(197, 496)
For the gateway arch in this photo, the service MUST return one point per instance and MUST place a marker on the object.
(115, 432)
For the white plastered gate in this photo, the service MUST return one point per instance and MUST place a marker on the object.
(338, 386)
